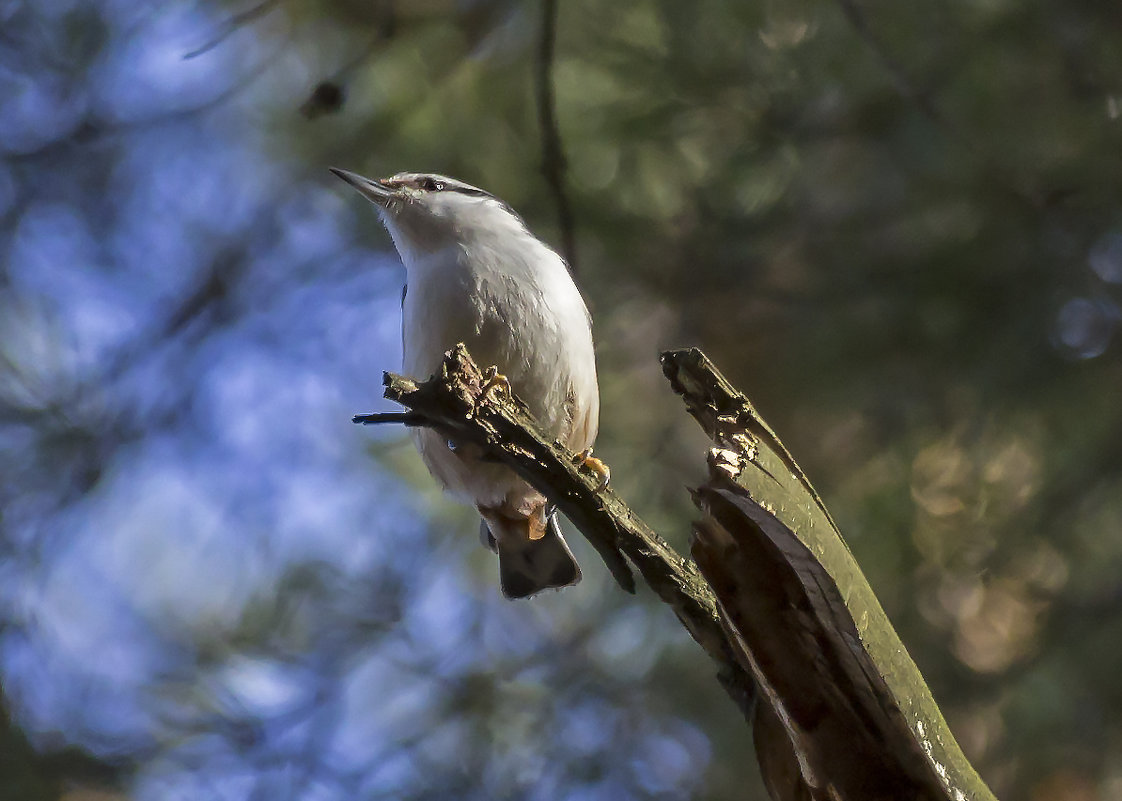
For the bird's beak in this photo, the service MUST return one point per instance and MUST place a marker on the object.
(374, 191)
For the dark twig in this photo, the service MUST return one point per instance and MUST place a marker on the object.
(404, 418)
(904, 85)
(232, 24)
(553, 152)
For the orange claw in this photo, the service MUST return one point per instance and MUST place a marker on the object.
(586, 460)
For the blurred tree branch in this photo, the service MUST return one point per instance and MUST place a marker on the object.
(231, 25)
(96, 130)
(553, 152)
(920, 96)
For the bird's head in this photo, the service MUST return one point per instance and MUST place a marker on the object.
(426, 213)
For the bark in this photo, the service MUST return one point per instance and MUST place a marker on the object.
(844, 712)
(778, 602)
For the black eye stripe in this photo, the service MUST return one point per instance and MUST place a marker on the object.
(433, 185)
(430, 184)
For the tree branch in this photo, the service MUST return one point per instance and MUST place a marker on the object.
(379, 418)
(844, 714)
(454, 403)
(231, 25)
(553, 153)
(896, 72)
(779, 602)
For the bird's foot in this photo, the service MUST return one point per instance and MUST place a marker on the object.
(590, 463)
(494, 381)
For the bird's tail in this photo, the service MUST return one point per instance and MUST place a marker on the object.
(533, 556)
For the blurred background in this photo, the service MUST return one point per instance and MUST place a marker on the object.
(897, 227)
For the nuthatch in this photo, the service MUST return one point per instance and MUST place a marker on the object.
(475, 274)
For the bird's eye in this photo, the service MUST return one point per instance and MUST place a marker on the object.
(431, 185)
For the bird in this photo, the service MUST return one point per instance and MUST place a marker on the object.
(476, 274)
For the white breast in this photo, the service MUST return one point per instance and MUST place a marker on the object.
(520, 311)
